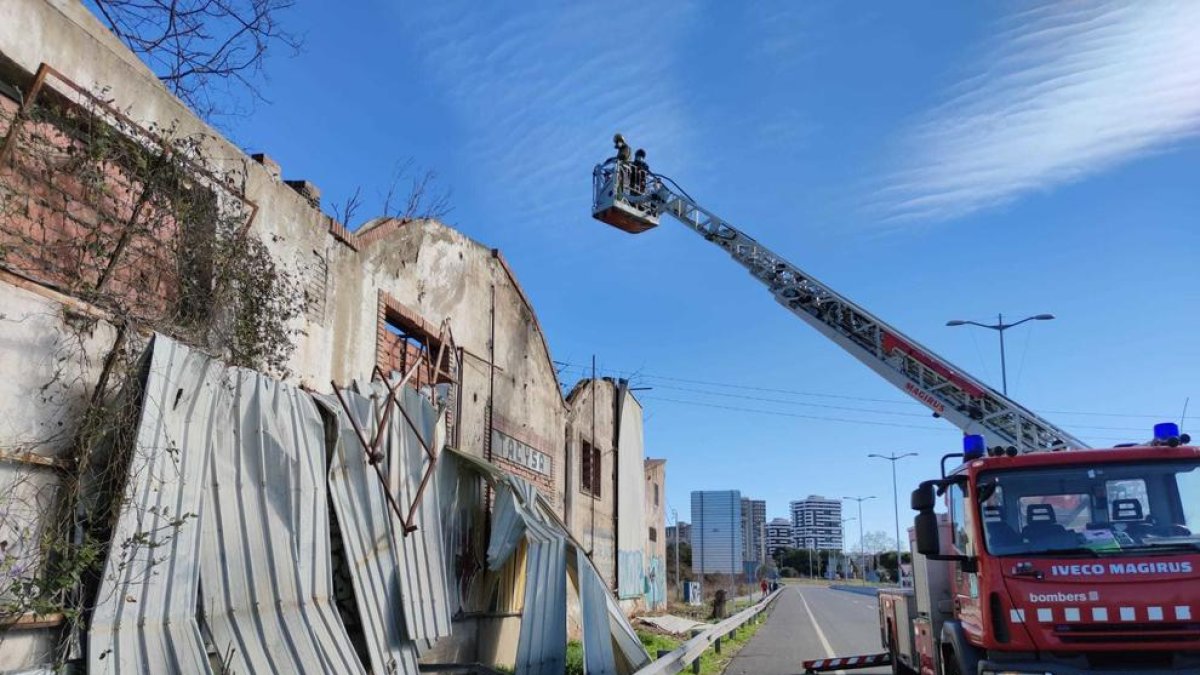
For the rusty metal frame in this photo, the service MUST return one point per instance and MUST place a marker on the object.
(373, 454)
(372, 448)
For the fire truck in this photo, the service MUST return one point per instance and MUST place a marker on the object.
(1049, 556)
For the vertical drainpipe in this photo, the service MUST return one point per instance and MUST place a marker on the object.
(487, 433)
(619, 389)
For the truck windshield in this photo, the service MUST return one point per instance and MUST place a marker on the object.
(1101, 509)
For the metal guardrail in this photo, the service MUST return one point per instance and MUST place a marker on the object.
(688, 653)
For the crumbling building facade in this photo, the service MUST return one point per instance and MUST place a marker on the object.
(97, 253)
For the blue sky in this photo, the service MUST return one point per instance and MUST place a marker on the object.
(930, 160)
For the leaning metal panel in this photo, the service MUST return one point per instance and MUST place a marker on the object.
(145, 613)
(265, 554)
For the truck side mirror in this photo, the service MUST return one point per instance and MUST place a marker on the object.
(926, 527)
(922, 497)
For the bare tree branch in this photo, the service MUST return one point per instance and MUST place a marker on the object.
(205, 51)
(343, 212)
(423, 199)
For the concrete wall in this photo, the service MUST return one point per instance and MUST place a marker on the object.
(591, 517)
(656, 520)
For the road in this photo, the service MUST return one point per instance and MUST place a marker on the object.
(811, 622)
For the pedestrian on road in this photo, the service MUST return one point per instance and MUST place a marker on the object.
(763, 585)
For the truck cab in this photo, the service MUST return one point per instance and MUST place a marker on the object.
(1075, 561)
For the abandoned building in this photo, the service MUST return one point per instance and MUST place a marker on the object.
(139, 248)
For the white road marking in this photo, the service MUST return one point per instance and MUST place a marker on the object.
(820, 635)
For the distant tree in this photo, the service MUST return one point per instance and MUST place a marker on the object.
(789, 572)
(204, 51)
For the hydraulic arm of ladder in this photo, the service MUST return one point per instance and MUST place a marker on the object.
(629, 197)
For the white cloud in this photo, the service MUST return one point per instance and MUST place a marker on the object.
(539, 91)
(1065, 91)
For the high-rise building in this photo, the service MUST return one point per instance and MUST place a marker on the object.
(779, 535)
(754, 530)
(817, 523)
(717, 532)
(685, 533)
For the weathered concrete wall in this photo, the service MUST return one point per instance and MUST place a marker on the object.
(590, 516)
(439, 273)
(656, 521)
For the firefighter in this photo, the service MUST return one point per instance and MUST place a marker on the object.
(640, 172)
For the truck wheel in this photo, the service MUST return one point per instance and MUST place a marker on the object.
(949, 663)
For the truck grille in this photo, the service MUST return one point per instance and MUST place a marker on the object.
(1127, 632)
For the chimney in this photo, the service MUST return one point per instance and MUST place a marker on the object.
(307, 190)
(269, 164)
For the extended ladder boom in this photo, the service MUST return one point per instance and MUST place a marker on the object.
(628, 196)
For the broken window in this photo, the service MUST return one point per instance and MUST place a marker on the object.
(404, 341)
(653, 534)
(589, 469)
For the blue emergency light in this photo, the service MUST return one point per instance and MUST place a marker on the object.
(1165, 430)
(974, 447)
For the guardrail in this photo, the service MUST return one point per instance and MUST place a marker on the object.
(688, 653)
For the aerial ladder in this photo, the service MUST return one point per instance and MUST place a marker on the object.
(630, 197)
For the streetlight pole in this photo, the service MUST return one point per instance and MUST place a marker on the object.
(862, 549)
(1000, 327)
(895, 498)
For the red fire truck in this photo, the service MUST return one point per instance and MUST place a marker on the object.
(1078, 561)
(1050, 557)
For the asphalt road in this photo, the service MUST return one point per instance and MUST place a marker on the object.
(811, 622)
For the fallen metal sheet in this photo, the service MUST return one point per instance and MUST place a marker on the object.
(676, 625)
(510, 517)
(424, 592)
(542, 644)
(368, 534)
(598, 655)
(265, 557)
(145, 615)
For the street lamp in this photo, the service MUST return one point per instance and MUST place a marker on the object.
(895, 498)
(1000, 327)
(862, 549)
(843, 529)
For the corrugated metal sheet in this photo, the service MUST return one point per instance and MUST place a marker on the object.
(461, 493)
(597, 644)
(423, 587)
(511, 521)
(264, 558)
(542, 645)
(367, 534)
(145, 615)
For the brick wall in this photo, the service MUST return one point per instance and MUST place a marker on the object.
(394, 353)
(76, 211)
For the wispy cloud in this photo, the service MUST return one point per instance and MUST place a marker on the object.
(1063, 92)
(540, 91)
